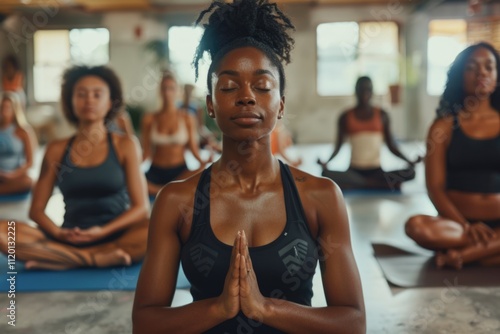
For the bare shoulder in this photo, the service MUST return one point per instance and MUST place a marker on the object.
(148, 118)
(441, 130)
(56, 148)
(126, 145)
(315, 188)
(176, 199)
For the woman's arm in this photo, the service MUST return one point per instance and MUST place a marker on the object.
(341, 134)
(345, 312)
(152, 312)
(28, 138)
(129, 148)
(147, 150)
(125, 123)
(390, 142)
(52, 170)
(438, 139)
(193, 142)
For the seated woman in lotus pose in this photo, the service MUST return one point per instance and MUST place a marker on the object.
(463, 165)
(165, 137)
(367, 128)
(98, 173)
(249, 230)
(17, 145)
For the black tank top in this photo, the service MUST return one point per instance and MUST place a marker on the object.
(472, 165)
(284, 267)
(92, 195)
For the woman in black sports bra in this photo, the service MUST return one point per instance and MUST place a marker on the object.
(463, 165)
(249, 231)
(106, 207)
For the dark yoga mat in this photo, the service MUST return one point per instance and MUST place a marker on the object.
(409, 269)
(81, 279)
(370, 192)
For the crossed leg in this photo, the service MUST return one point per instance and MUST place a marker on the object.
(38, 251)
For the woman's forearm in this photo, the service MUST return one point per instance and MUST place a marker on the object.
(445, 207)
(294, 318)
(132, 216)
(196, 317)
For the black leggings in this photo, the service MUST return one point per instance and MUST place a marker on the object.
(374, 178)
(162, 176)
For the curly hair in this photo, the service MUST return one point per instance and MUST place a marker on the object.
(254, 23)
(454, 98)
(72, 75)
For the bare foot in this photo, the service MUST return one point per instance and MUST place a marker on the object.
(29, 265)
(440, 259)
(118, 257)
(452, 258)
(455, 259)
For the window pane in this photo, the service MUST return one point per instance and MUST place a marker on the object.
(89, 46)
(339, 39)
(182, 43)
(348, 50)
(51, 46)
(47, 82)
(446, 39)
(378, 38)
(337, 77)
(55, 50)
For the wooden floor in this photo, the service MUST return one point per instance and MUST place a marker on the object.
(373, 218)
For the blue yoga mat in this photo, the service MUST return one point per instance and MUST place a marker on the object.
(81, 279)
(14, 197)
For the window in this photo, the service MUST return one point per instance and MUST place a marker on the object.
(182, 43)
(348, 50)
(55, 50)
(446, 39)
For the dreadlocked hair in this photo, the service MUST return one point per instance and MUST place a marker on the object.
(254, 23)
(454, 98)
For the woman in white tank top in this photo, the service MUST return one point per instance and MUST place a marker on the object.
(165, 137)
(367, 128)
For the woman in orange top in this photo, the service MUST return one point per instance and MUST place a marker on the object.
(368, 129)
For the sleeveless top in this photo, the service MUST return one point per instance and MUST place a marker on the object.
(284, 268)
(366, 138)
(472, 165)
(181, 137)
(12, 154)
(92, 195)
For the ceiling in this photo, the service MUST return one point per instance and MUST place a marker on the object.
(7, 6)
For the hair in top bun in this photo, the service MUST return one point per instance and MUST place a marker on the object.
(255, 23)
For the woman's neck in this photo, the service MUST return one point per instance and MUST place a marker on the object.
(6, 125)
(95, 132)
(477, 106)
(247, 163)
(168, 107)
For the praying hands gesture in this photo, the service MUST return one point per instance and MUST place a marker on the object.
(241, 290)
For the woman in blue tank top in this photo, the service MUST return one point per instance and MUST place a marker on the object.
(17, 144)
(463, 165)
(249, 230)
(106, 216)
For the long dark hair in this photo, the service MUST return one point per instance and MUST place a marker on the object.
(454, 99)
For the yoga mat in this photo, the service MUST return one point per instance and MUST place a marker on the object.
(410, 269)
(81, 279)
(14, 197)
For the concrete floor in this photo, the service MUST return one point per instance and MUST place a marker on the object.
(378, 218)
